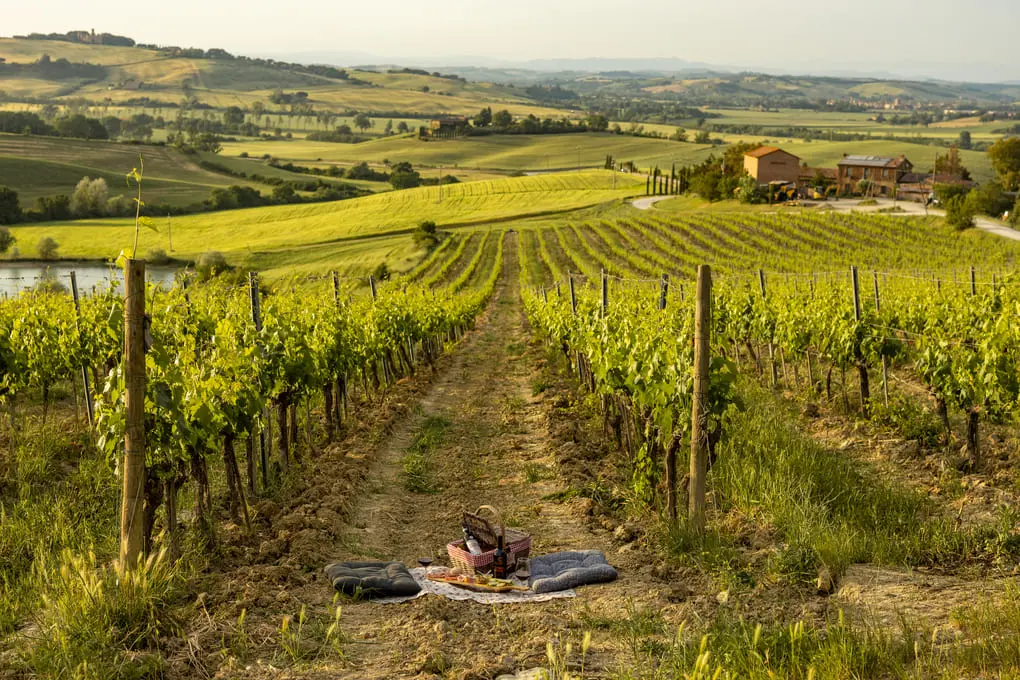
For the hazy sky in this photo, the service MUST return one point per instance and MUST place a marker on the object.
(944, 38)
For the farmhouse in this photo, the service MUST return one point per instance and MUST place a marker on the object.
(809, 176)
(768, 164)
(884, 174)
(917, 187)
(447, 126)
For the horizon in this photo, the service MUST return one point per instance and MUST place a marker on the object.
(466, 34)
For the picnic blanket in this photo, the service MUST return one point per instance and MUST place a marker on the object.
(452, 592)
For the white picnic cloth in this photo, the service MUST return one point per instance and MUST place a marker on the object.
(452, 592)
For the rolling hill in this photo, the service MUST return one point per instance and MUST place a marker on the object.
(46, 166)
(135, 73)
(242, 233)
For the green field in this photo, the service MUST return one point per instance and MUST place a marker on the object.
(46, 166)
(305, 228)
(854, 122)
(550, 152)
(496, 152)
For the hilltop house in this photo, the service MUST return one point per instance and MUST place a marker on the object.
(768, 164)
(445, 127)
(883, 173)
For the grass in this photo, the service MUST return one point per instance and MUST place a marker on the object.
(228, 83)
(417, 464)
(728, 646)
(241, 233)
(47, 510)
(819, 508)
(95, 622)
(496, 152)
(46, 166)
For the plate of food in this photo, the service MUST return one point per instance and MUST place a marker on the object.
(479, 583)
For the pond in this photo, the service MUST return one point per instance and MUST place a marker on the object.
(18, 276)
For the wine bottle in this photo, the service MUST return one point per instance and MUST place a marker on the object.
(471, 543)
(499, 559)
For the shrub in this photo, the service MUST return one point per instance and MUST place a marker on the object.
(405, 179)
(10, 209)
(120, 206)
(426, 236)
(157, 256)
(53, 207)
(211, 264)
(381, 272)
(46, 248)
(49, 284)
(284, 194)
(959, 213)
(748, 191)
(90, 197)
(706, 185)
(6, 239)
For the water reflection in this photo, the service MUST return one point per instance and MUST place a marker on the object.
(18, 276)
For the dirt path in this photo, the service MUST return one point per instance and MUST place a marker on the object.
(647, 202)
(494, 449)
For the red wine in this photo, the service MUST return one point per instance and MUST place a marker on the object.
(499, 560)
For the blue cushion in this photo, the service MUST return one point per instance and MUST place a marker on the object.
(373, 579)
(564, 570)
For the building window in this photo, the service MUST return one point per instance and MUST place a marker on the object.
(865, 173)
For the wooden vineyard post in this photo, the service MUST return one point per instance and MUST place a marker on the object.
(545, 295)
(256, 317)
(885, 363)
(663, 291)
(699, 410)
(973, 282)
(772, 348)
(605, 294)
(336, 287)
(132, 509)
(385, 362)
(862, 367)
(90, 408)
(573, 311)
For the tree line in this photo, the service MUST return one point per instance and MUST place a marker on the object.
(46, 68)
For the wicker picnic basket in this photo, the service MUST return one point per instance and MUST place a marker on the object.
(516, 542)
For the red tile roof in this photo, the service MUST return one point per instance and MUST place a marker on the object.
(765, 151)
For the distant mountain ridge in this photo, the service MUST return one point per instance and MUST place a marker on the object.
(916, 71)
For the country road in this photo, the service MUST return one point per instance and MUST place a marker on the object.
(913, 209)
(648, 201)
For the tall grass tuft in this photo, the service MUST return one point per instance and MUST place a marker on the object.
(96, 622)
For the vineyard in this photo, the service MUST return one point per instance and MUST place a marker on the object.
(227, 365)
(846, 385)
